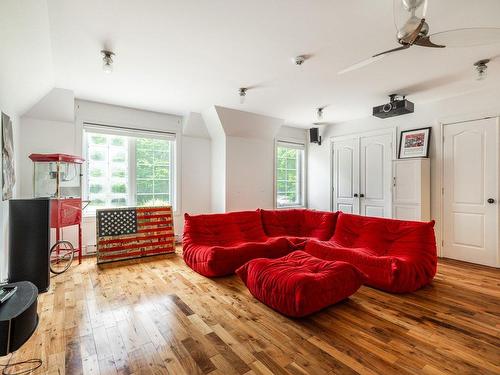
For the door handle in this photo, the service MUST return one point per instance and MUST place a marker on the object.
(361, 195)
(491, 201)
(355, 195)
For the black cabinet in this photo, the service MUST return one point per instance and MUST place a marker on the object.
(29, 241)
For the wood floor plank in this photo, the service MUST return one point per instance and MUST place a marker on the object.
(157, 316)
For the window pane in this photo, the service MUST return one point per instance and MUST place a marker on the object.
(145, 186)
(112, 160)
(145, 200)
(107, 177)
(144, 171)
(289, 164)
(161, 186)
(153, 161)
(161, 172)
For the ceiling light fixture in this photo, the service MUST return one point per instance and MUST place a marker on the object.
(242, 92)
(481, 69)
(320, 112)
(299, 60)
(107, 61)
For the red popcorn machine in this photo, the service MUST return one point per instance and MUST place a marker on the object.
(59, 177)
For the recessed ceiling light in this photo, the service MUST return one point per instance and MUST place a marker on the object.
(107, 61)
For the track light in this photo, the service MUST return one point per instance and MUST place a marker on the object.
(481, 69)
(107, 61)
(242, 92)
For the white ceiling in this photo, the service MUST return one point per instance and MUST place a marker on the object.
(186, 55)
(26, 71)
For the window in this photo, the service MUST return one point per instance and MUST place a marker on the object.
(290, 172)
(128, 168)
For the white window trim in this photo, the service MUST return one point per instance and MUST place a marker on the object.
(134, 132)
(300, 145)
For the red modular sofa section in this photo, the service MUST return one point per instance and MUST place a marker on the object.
(217, 244)
(299, 284)
(299, 224)
(397, 256)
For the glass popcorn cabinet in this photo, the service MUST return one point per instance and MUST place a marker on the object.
(59, 177)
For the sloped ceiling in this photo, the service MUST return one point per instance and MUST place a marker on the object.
(184, 56)
(248, 125)
(26, 70)
(57, 105)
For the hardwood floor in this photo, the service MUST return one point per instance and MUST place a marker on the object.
(156, 316)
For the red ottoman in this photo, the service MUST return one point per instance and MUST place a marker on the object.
(299, 284)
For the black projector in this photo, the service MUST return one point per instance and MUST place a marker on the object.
(396, 107)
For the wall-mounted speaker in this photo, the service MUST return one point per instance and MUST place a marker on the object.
(29, 241)
(314, 136)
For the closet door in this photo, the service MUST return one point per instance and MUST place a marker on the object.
(346, 176)
(376, 175)
(470, 196)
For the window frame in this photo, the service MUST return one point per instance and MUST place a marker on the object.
(299, 145)
(133, 133)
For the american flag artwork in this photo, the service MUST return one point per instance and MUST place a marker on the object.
(126, 233)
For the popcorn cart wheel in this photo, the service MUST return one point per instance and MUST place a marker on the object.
(58, 177)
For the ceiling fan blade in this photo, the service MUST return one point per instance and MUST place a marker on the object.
(468, 37)
(425, 41)
(372, 59)
(406, 46)
(361, 64)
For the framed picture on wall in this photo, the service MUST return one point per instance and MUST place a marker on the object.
(414, 143)
(7, 148)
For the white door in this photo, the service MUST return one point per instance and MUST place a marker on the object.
(470, 196)
(362, 175)
(346, 176)
(376, 176)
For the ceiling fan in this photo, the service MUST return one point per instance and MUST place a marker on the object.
(412, 29)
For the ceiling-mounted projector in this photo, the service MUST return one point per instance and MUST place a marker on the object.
(396, 107)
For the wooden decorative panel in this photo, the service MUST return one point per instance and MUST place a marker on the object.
(126, 233)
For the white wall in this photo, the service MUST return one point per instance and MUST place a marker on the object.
(473, 105)
(24, 39)
(196, 175)
(217, 160)
(42, 136)
(250, 174)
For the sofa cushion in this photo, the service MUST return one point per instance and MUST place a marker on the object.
(298, 284)
(224, 229)
(299, 223)
(215, 261)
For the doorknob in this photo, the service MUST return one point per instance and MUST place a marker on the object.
(355, 195)
(361, 195)
(491, 201)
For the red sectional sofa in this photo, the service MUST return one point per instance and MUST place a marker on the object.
(396, 256)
